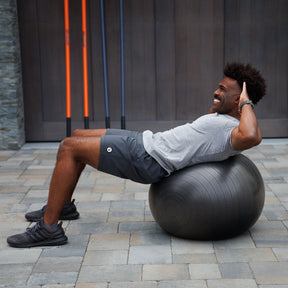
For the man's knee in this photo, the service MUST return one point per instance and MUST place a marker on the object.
(65, 147)
(76, 132)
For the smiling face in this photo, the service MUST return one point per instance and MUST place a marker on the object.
(226, 98)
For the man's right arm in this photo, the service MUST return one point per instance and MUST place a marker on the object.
(248, 133)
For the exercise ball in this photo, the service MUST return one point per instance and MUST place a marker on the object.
(209, 201)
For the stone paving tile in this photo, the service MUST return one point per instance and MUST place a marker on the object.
(242, 241)
(76, 247)
(64, 251)
(14, 275)
(270, 273)
(285, 204)
(275, 212)
(59, 264)
(93, 207)
(139, 227)
(11, 198)
(56, 286)
(36, 181)
(204, 271)
(268, 226)
(281, 254)
(109, 196)
(125, 216)
(280, 190)
(110, 273)
(245, 255)
(13, 188)
(270, 234)
(131, 186)
(271, 199)
(113, 257)
(196, 258)
(165, 272)
(126, 211)
(271, 239)
(150, 254)
(141, 196)
(87, 195)
(12, 228)
(96, 217)
(113, 188)
(54, 277)
(182, 246)
(91, 285)
(18, 208)
(143, 284)
(6, 154)
(147, 214)
(109, 242)
(34, 200)
(37, 193)
(232, 283)
(91, 228)
(127, 205)
(14, 256)
(183, 284)
(116, 242)
(235, 271)
(140, 239)
(273, 286)
(105, 179)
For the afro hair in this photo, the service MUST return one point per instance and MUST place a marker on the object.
(256, 86)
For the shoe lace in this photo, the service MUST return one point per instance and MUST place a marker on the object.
(34, 228)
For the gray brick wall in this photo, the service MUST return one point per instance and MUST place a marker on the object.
(12, 134)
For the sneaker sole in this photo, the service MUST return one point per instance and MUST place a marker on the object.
(54, 242)
(73, 216)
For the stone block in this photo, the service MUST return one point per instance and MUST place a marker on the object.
(204, 271)
(160, 272)
(270, 273)
(110, 273)
(152, 254)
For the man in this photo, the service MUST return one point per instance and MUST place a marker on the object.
(229, 128)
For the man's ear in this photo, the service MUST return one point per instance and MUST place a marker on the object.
(237, 99)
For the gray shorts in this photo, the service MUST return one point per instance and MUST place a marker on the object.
(122, 154)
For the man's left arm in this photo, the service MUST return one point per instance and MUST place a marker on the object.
(247, 134)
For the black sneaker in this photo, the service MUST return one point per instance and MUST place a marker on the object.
(39, 235)
(69, 212)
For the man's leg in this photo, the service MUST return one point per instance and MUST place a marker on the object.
(88, 132)
(81, 167)
(69, 211)
(73, 154)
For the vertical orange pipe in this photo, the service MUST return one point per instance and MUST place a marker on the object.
(85, 66)
(68, 77)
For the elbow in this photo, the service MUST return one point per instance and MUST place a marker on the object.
(253, 139)
(259, 139)
(243, 140)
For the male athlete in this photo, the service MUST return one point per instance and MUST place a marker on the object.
(229, 128)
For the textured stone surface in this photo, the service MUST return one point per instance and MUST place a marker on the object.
(11, 97)
(128, 250)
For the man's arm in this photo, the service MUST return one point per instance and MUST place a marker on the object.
(248, 133)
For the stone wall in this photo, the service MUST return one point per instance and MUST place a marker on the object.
(12, 134)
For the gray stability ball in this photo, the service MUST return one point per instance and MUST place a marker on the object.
(209, 201)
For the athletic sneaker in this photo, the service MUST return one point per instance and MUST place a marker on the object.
(39, 235)
(69, 212)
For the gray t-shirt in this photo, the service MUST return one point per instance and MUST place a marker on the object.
(206, 139)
